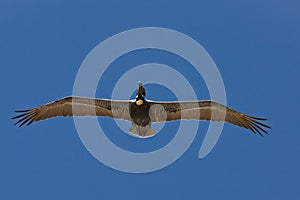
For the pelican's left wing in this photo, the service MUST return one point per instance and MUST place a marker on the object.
(75, 106)
(204, 110)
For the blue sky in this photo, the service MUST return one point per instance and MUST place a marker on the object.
(255, 45)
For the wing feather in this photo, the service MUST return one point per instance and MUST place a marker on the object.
(210, 111)
(75, 106)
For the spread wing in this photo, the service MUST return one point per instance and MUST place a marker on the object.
(75, 106)
(204, 110)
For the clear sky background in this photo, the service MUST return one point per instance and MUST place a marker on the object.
(255, 45)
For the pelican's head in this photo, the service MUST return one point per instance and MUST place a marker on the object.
(140, 93)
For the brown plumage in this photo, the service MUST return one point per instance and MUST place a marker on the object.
(141, 112)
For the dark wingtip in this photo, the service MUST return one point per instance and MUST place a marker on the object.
(258, 118)
(257, 126)
(18, 116)
(18, 111)
(23, 118)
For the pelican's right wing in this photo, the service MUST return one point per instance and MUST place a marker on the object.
(76, 106)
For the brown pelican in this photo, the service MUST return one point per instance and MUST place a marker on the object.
(141, 112)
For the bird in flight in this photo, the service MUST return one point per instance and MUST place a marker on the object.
(141, 112)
